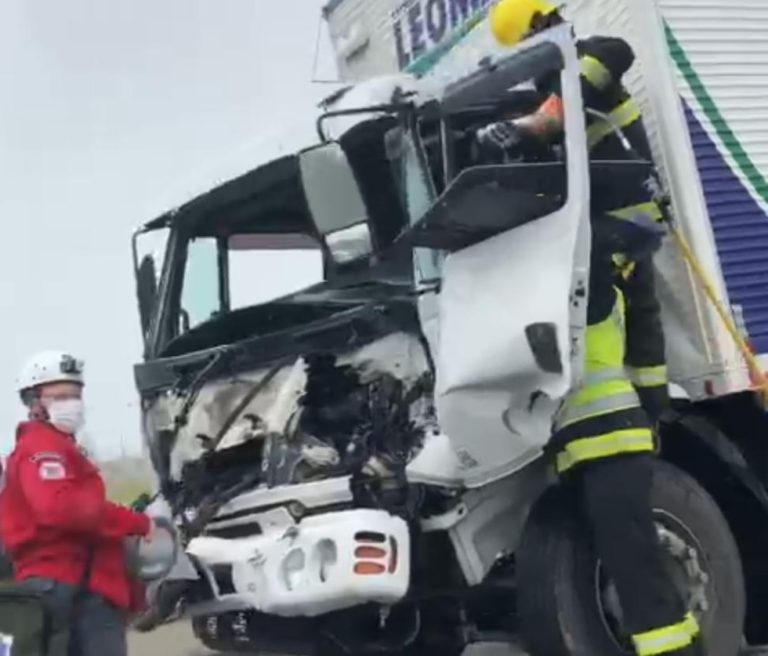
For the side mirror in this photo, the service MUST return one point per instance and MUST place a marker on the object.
(147, 291)
(336, 203)
(350, 244)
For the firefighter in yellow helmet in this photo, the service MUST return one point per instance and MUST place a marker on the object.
(603, 437)
(511, 22)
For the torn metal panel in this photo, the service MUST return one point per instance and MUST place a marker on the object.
(399, 355)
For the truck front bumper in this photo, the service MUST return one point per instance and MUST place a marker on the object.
(326, 563)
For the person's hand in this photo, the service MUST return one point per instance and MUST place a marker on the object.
(503, 135)
(159, 526)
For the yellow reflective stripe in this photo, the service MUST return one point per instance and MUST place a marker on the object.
(667, 639)
(631, 440)
(604, 376)
(609, 390)
(648, 376)
(616, 403)
(591, 394)
(624, 115)
(650, 209)
(605, 387)
(598, 399)
(595, 72)
(603, 391)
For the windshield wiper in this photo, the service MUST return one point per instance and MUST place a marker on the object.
(192, 391)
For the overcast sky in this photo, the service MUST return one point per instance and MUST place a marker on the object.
(105, 105)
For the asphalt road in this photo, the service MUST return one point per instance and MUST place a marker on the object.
(172, 640)
(177, 640)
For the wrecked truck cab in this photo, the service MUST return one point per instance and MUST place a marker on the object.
(418, 239)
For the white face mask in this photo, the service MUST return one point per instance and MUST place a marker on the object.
(68, 416)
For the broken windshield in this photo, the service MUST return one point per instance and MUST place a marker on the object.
(224, 275)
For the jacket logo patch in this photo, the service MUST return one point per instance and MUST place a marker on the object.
(47, 455)
(52, 471)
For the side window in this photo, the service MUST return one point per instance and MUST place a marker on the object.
(418, 197)
(151, 247)
(500, 178)
(200, 298)
(149, 254)
(416, 189)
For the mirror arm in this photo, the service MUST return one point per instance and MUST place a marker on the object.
(391, 108)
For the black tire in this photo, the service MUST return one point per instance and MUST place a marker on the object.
(559, 609)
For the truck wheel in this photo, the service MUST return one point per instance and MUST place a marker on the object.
(568, 608)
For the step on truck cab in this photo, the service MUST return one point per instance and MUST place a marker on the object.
(356, 463)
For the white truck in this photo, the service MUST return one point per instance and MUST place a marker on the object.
(357, 466)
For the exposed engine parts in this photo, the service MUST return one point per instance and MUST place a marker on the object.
(337, 419)
(370, 425)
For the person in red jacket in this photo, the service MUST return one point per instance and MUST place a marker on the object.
(55, 520)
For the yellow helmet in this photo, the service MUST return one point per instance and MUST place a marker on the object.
(511, 19)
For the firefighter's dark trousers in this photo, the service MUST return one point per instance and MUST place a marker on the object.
(604, 439)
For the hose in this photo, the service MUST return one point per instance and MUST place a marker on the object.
(759, 377)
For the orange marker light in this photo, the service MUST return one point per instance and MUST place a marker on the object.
(370, 552)
(366, 568)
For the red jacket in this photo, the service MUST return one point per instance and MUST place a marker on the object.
(54, 506)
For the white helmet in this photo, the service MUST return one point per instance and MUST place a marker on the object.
(50, 367)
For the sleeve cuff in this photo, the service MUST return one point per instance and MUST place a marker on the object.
(133, 522)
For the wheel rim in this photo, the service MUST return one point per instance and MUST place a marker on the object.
(686, 565)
